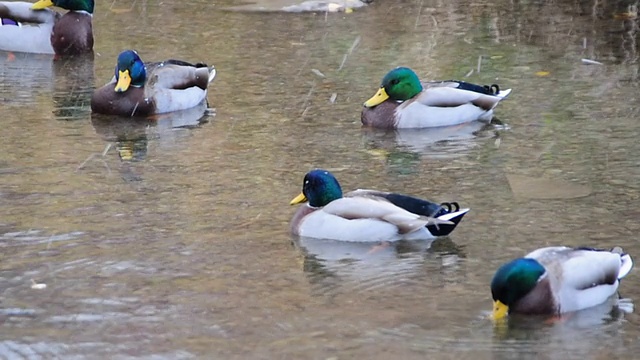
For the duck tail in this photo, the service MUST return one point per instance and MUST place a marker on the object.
(626, 263)
(626, 266)
(502, 94)
(212, 73)
(453, 216)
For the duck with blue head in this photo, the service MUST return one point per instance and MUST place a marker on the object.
(557, 280)
(144, 89)
(403, 102)
(34, 28)
(367, 215)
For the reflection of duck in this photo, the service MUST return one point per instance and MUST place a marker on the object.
(74, 82)
(349, 251)
(358, 266)
(555, 280)
(439, 142)
(32, 28)
(579, 332)
(404, 102)
(326, 6)
(132, 137)
(612, 309)
(367, 215)
(140, 89)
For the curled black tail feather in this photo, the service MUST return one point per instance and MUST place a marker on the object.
(430, 209)
(447, 208)
(492, 89)
(445, 229)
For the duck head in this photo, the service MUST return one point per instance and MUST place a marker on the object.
(400, 84)
(512, 282)
(72, 5)
(130, 71)
(319, 187)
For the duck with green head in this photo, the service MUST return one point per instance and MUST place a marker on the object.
(556, 280)
(403, 101)
(143, 89)
(34, 28)
(367, 215)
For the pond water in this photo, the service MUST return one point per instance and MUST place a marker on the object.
(169, 239)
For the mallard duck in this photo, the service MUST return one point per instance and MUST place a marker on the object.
(404, 102)
(140, 89)
(33, 28)
(555, 280)
(367, 215)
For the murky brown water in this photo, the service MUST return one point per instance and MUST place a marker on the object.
(174, 244)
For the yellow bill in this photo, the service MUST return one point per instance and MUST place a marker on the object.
(378, 98)
(500, 310)
(126, 153)
(124, 80)
(298, 199)
(41, 4)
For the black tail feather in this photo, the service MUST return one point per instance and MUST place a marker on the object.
(445, 229)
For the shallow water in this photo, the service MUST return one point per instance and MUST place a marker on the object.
(168, 239)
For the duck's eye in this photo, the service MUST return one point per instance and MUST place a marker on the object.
(395, 82)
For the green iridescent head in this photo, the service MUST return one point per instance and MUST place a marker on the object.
(400, 84)
(72, 5)
(130, 71)
(319, 187)
(513, 281)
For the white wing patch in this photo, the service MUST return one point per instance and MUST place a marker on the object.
(168, 100)
(161, 85)
(321, 225)
(39, 38)
(412, 115)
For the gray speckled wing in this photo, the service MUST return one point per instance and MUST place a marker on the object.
(445, 96)
(177, 77)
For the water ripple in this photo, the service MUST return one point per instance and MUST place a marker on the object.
(335, 267)
(30, 237)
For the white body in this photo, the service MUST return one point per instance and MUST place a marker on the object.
(378, 222)
(576, 275)
(445, 106)
(166, 98)
(33, 35)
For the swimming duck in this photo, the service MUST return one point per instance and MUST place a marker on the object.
(404, 102)
(33, 28)
(555, 280)
(140, 89)
(367, 215)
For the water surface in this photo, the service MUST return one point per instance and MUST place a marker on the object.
(168, 239)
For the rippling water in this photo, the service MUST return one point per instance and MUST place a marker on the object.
(168, 238)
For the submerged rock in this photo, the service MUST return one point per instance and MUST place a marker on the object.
(542, 188)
